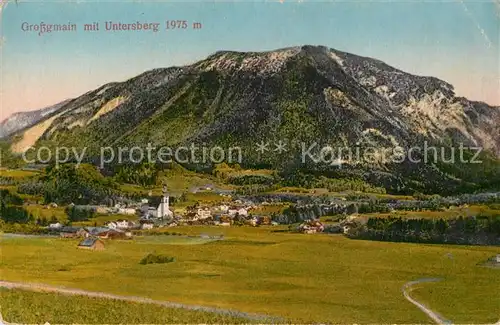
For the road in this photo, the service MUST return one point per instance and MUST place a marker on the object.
(408, 287)
(78, 292)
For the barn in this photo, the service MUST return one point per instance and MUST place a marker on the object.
(92, 244)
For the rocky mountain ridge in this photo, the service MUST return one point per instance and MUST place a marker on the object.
(21, 120)
(302, 95)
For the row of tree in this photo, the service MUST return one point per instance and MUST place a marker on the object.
(69, 183)
(76, 214)
(471, 230)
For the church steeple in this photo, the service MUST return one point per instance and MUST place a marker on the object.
(164, 207)
(165, 198)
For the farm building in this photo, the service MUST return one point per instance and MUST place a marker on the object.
(73, 232)
(112, 234)
(311, 227)
(94, 231)
(92, 244)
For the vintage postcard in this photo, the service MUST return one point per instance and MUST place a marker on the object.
(250, 162)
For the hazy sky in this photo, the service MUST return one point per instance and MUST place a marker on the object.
(453, 40)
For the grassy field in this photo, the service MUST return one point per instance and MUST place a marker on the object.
(178, 181)
(303, 278)
(270, 208)
(17, 173)
(27, 197)
(41, 211)
(102, 219)
(454, 296)
(203, 198)
(62, 309)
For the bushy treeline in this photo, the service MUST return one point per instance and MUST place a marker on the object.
(68, 183)
(23, 228)
(144, 174)
(471, 230)
(14, 217)
(252, 179)
(6, 181)
(256, 189)
(301, 179)
(76, 214)
(15, 214)
(7, 197)
(9, 159)
(11, 210)
(373, 208)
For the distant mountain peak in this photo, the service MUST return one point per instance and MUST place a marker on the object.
(244, 95)
(21, 120)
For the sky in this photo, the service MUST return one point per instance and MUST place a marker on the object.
(457, 41)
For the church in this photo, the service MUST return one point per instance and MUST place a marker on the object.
(163, 211)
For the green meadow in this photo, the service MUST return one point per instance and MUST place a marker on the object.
(301, 278)
(17, 173)
(102, 219)
(63, 309)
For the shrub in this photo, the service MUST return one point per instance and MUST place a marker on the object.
(156, 259)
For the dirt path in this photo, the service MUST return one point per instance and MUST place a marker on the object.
(78, 292)
(407, 288)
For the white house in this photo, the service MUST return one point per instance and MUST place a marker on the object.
(147, 225)
(127, 211)
(243, 212)
(111, 225)
(55, 225)
(254, 221)
(203, 213)
(497, 258)
(237, 210)
(122, 224)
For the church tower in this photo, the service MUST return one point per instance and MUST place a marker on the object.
(166, 198)
(164, 207)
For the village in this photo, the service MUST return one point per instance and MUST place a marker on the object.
(143, 218)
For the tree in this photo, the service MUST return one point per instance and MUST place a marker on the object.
(78, 214)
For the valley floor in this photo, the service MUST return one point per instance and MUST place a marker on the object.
(83, 307)
(301, 278)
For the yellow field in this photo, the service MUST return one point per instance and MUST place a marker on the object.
(17, 173)
(304, 278)
(178, 183)
(101, 219)
(270, 209)
(62, 309)
(41, 211)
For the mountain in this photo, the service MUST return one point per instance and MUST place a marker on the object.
(303, 95)
(22, 120)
